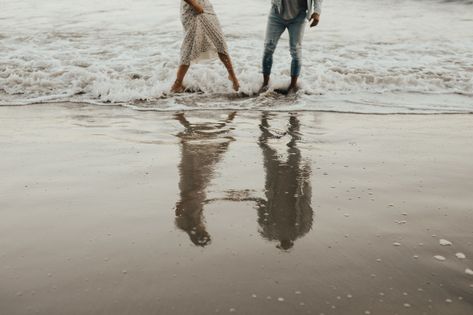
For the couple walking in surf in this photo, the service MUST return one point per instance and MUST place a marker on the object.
(204, 37)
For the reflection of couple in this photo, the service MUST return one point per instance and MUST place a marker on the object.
(204, 37)
(285, 213)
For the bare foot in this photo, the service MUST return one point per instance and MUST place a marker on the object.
(177, 87)
(264, 88)
(236, 84)
(292, 89)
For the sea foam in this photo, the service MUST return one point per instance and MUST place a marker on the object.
(370, 56)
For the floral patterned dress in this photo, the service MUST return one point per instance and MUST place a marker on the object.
(203, 35)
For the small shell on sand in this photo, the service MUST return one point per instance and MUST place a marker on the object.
(445, 242)
(438, 257)
(468, 271)
(460, 255)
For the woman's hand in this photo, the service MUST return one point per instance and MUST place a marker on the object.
(198, 8)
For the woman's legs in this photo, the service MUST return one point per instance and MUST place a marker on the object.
(231, 73)
(177, 87)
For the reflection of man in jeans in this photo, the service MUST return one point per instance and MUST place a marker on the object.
(290, 14)
(286, 213)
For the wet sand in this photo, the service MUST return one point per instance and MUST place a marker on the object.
(106, 210)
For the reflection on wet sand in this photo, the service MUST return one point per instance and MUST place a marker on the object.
(202, 147)
(286, 213)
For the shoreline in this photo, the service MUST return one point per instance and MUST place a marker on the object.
(237, 109)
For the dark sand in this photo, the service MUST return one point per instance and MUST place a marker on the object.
(106, 210)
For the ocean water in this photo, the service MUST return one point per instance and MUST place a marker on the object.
(367, 56)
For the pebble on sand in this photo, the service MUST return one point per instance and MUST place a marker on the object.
(460, 255)
(438, 257)
(445, 242)
(397, 244)
(468, 271)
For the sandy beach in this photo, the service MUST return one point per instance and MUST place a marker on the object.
(351, 196)
(107, 210)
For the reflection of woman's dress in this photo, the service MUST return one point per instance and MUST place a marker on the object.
(202, 147)
(203, 34)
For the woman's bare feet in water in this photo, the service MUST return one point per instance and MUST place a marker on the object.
(177, 87)
(236, 84)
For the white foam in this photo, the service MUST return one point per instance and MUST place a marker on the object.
(127, 51)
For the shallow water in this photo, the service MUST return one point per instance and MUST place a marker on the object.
(372, 56)
(108, 211)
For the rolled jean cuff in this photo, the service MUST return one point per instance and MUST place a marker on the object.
(296, 73)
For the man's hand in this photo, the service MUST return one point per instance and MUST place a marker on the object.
(315, 19)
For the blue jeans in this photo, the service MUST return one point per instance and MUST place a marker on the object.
(276, 26)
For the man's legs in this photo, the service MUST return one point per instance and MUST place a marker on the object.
(296, 35)
(274, 30)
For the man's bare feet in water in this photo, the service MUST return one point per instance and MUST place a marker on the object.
(265, 85)
(263, 89)
(289, 91)
(177, 87)
(292, 89)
